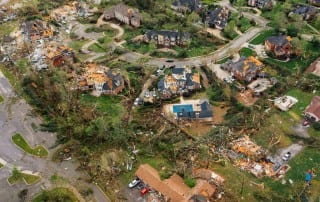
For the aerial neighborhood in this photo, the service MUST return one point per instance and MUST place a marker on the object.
(162, 101)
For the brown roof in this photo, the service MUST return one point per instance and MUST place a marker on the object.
(150, 176)
(173, 188)
(207, 174)
(314, 107)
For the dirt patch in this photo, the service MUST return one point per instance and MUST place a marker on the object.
(109, 159)
(198, 128)
(218, 113)
(246, 98)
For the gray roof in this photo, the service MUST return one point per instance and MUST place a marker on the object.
(218, 17)
(178, 70)
(192, 5)
(116, 78)
(206, 112)
(280, 40)
(303, 10)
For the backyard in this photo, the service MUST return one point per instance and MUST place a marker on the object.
(56, 194)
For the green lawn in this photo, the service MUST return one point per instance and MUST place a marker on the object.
(77, 44)
(1, 99)
(303, 101)
(18, 176)
(305, 160)
(262, 36)
(39, 150)
(106, 104)
(96, 48)
(247, 52)
(56, 194)
(1, 165)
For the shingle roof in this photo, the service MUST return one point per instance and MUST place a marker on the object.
(302, 10)
(314, 106)
(280, 40)
(191, 4)
(218, 17)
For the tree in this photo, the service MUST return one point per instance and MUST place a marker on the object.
(193, 18)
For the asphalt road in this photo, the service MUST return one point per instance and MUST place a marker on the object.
(16, 116)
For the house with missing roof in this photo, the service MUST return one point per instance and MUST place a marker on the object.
(174, 189)
(218, 18)
(312, 112)
(306, 12)
(101, 80)
(193, 110)
(187, 5)
(124, 14)
(166, 38)
(181, 81)
(245, 69)
(35, 30)
(262, 4)
(59, 55)
(280, 46)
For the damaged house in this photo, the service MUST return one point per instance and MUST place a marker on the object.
(218, 18)
(279, 46)
(315, 2)
(179, 82)
(245, 69)
(262, 4)
(35, 30)
(166, 38)
(186, 5)
(101, 80)
(124, 14)
(60, 55)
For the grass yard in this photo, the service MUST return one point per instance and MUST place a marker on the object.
(18, 176)
(303, 101)
(1, 99)
(304, 161)
(293, 64)
(244, 24)
(39, 150)
(247, 52)
(56, 194)
(96, 48)
(1, 165)
(106, 104)
(259, 39)
(77, 44)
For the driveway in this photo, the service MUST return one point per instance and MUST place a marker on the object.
(16, 116)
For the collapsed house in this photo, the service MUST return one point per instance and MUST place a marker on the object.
(251, 157)
(35, 30)
(101, 80)
(218, 18)
(59, 55)
(245, 69)
(124, 14)
(284, 103)
(166, 38)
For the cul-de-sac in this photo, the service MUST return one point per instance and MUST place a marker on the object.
(159, 100)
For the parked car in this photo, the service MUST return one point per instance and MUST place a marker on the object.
(141, 186)
(138, 101)
(147, 94)
(144, 191)
(169, 60)
(134, 183)
(287, 156)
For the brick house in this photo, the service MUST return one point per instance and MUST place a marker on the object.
(312, 111)
(166, 38)
(245, 69)
(280, 46)
(124, 14)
